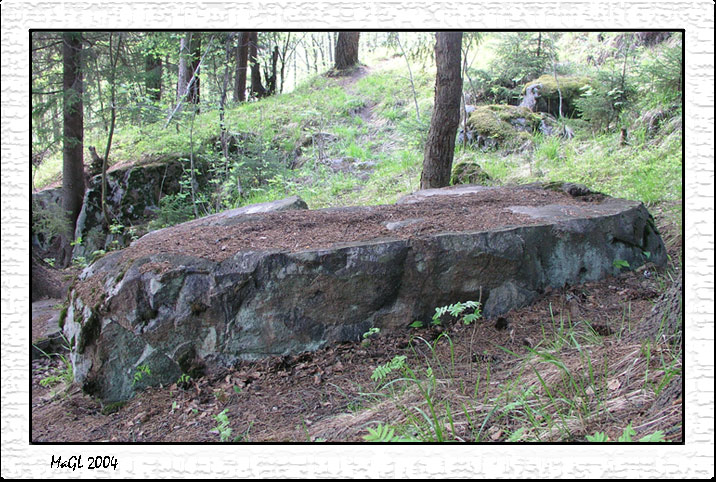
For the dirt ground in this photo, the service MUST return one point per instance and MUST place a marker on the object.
(329, 395)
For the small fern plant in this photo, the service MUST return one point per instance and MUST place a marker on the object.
(382, 371)
(385, 433)
(459, 309)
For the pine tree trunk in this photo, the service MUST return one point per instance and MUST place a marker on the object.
(257, 88)
(347, 50)
(440, 146)
(184, 71)
(271, 81)
(242, 58)
(195, 46)
(73, 183)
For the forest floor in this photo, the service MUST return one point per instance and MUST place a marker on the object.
(329, 395)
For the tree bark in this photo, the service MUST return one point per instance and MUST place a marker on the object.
(242, 57)
(184, 73)
(271, 78)
(195, 46)
(73, 183)
(257, 88)
(440, 146)
(347, 50)
(113, 120)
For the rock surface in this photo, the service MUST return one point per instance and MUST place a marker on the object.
(181, 312)
(133, 195)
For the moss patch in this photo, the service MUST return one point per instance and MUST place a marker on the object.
(502, 125)
(113, 407)
(468, 171)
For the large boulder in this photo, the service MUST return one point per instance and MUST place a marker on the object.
(196, 298)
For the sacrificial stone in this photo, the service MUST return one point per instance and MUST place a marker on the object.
(209, 293)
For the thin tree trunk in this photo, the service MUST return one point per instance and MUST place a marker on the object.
(440, 146)
(194, 77)
(257, 88)
(195, 67)
(410, 74)
(271, 81)
(98, 78)
(113, 118)
(242, 57)
(73, 182)
(191, 162)
(224, 134)
(184, 72)
(284, 54)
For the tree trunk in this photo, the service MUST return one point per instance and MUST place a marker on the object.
(271, 79)
(347, 50)
(113, 120)
(242, 57)
(257, 89)
(184, 73)
(73, 183)
(195, 46)
(440, 146)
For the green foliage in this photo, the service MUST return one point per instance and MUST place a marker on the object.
(222, 427)
(521, 57)
(173, 209)
(620, 264)
(49, 221)
(611, 93)
(64, 375)
(385, 433)
(140, 372)
(456, 310)
(660, 75)
(627, 436)
(382, 371)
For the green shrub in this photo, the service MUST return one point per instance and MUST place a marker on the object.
(605, 99)
(49, 221)
(660, 76)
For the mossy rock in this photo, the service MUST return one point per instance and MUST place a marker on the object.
(469, 172)
(502, 126)
(572, 88)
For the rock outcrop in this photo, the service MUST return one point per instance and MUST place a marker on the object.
(133, 195)
(186, 312)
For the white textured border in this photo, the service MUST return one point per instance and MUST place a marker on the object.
(693, 460)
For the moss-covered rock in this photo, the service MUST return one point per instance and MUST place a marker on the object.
(572, 87)
(468, 171)
(501, 126)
